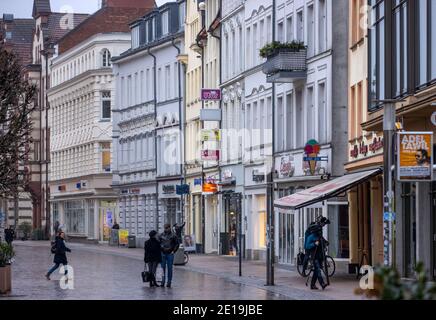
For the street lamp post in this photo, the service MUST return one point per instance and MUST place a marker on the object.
(388, 193)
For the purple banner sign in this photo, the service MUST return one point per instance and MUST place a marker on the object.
(211, 94)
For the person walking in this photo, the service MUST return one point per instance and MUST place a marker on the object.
(152, 256)
(314, 249)
(9, 235)
(60, 256)
(169, 245)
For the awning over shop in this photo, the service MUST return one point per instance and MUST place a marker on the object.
(325, 191)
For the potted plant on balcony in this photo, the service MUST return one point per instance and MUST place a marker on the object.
(6, 254)
(289, 56)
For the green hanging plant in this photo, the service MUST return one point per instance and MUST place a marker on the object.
(273, 47)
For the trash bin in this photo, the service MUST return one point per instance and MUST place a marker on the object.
(132, 242)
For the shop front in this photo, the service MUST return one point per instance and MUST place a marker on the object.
(193, 213)
(170, 207)
(137, 211)
(327, 199)
(232, 226)
(255, 215)
(293, 174)
(211, 222)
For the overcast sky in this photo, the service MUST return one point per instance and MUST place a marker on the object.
(23, 8)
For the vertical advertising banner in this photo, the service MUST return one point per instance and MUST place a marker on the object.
(415, 156)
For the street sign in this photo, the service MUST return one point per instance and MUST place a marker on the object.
(389, 216)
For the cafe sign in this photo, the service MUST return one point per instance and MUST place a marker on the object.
(364, 149)
(415, 156)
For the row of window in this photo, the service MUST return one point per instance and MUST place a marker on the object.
(79, 113)
(407, 29)
(80, 65)
(155, 26)
(307, 24)
(81, 161)
(136, 152)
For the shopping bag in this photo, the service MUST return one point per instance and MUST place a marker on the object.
(146, 275)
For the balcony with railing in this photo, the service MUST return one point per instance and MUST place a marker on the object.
(285, 62)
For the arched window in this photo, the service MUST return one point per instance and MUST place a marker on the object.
(106, 58)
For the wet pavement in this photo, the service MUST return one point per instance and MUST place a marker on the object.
(106, 276)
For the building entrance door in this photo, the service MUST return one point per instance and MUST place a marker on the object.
(230, 224)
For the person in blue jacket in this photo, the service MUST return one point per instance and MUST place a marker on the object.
(313, 248)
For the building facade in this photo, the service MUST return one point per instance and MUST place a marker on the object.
(81, 98)
(312, 110)
(232, 125)
(147, 123)
(402, 66)
(365, 151)
(258, 123)
(193, 105)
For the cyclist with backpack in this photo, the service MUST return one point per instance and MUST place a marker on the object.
(60, 257)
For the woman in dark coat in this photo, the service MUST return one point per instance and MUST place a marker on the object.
(60, 255)
(152, 256)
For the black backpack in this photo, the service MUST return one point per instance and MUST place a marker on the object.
(53, 248)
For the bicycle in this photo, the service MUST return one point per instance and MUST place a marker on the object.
(305, 265)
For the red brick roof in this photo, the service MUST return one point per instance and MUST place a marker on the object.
(109, 18)
(58, 25)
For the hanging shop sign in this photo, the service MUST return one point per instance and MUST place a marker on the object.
(210, 115)
(182, 189)
(197, 182)
(287, 167)
(169, 189)
(210, 188)
(415, 156)
(312, 158)
(210, 155)
(211, 135)
(210, 94)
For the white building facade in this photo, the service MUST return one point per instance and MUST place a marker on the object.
(147, 136)
(313, 108)
(81, 98)
(232, 125)
(258, 16)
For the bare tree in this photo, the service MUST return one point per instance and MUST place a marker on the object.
(17, 102)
